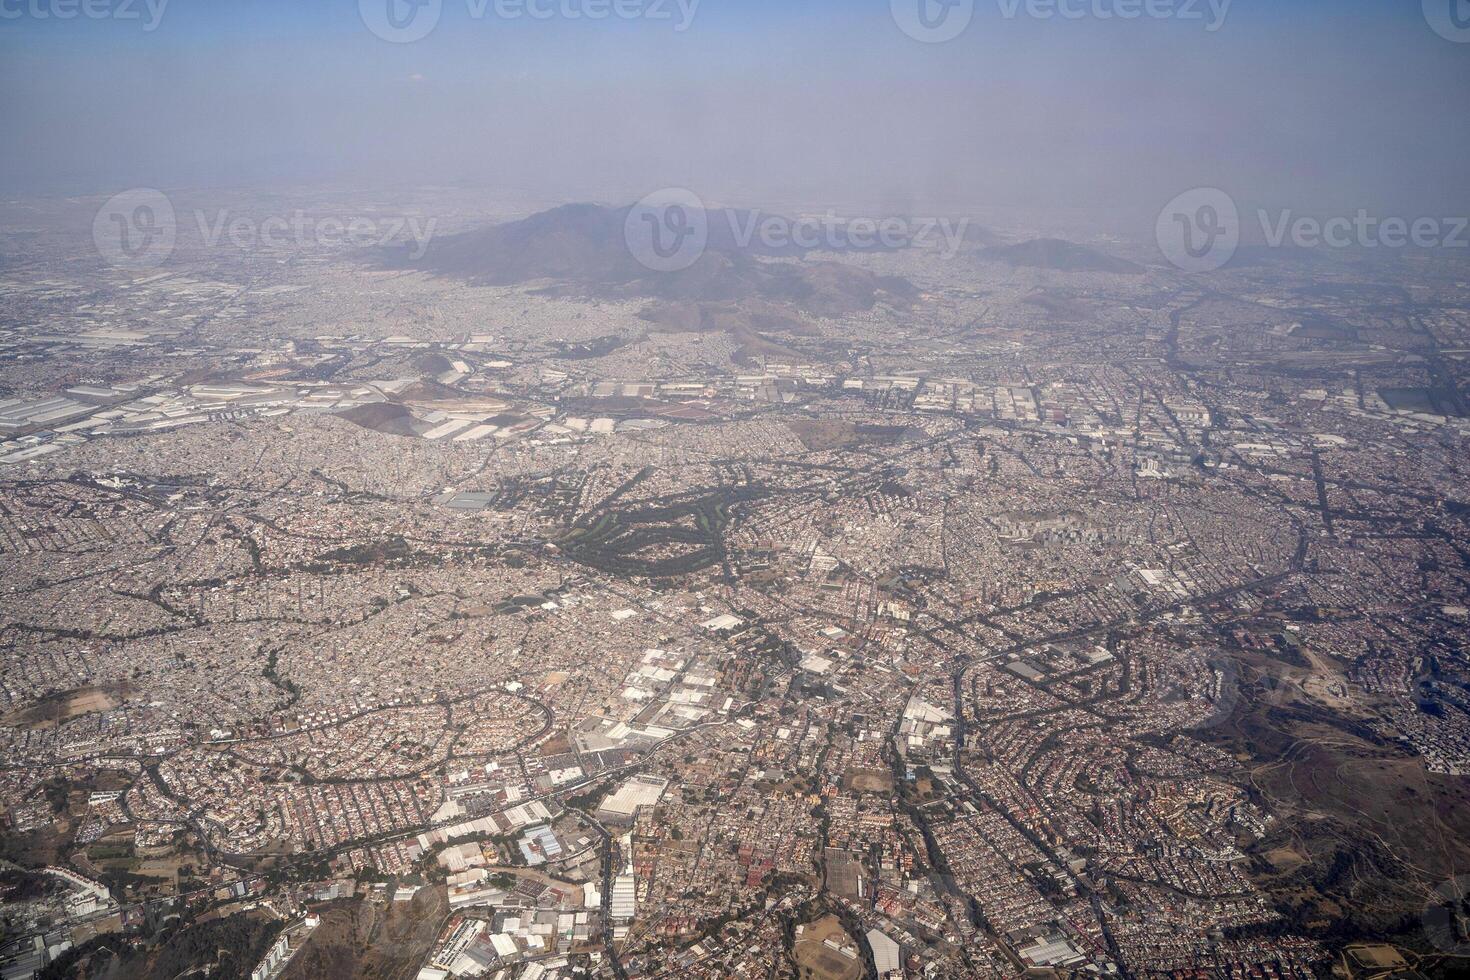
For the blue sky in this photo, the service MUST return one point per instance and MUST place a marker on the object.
(1290, 103)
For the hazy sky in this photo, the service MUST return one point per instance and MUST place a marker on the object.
(1337, 104)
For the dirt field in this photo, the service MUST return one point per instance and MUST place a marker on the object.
(63, 706)
(869, 780)
(822, 435)
(818, 960)
(1366, 832)
(360, 939)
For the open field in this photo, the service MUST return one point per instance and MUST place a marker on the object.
(820, 961)
(363, 939)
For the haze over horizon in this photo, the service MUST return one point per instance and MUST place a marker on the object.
(1302, 104)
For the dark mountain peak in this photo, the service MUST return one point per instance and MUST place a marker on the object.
(582, 248)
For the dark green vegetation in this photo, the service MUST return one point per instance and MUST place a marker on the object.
(660, 541)
(231, 948)
(1365, 833)
(366, 939)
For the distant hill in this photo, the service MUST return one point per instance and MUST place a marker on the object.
(580, 249)
(749, 324)
(581, 242)
(385, 417)
(1061, 256)
(981, 235)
